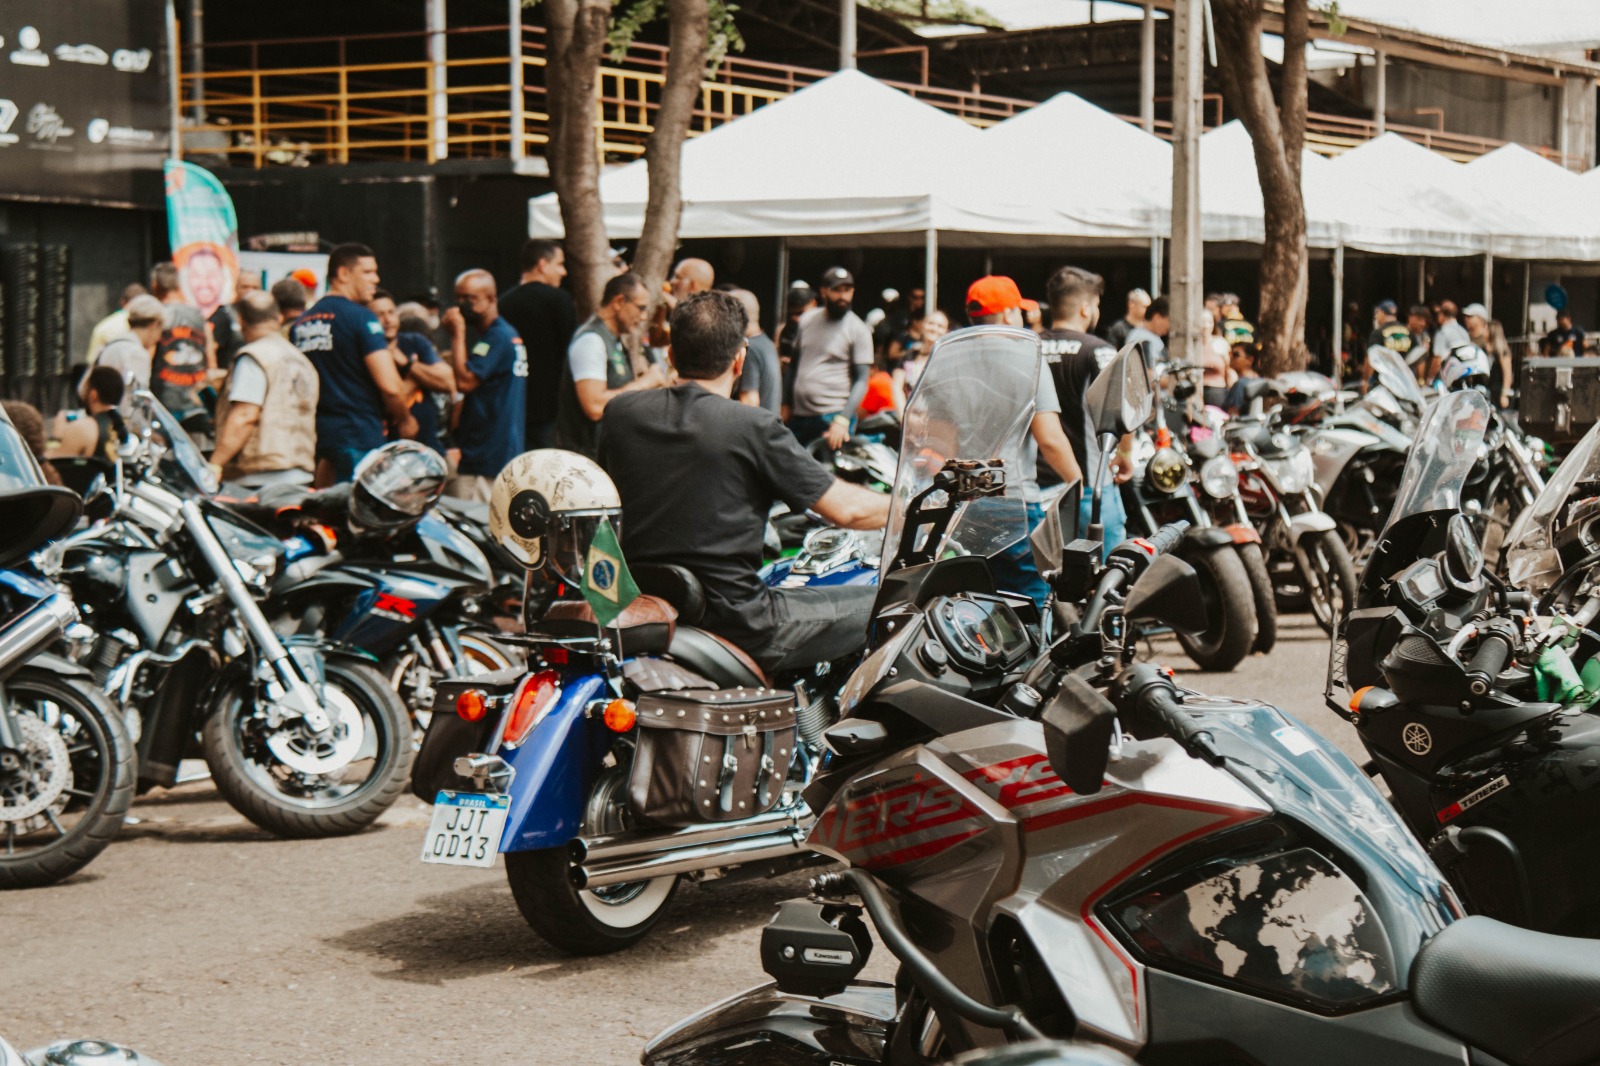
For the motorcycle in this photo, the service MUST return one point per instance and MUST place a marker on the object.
(1052, 843)
(1467, 691)
(302, 736)
(74, 1053)
(566, 768)
(66, 766)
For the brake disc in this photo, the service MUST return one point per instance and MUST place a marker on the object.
(44, 777)
(298, 748)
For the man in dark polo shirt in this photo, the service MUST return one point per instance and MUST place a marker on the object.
(543, 315)
(698, 472)
(491, 371)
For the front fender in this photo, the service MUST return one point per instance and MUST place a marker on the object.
(555, 769)
(1206, 538)
(1243, 533)
(59, 665)
(853, 1026)
(1310, 522)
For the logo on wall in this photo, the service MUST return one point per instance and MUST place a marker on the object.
(100, 131)
(133, 62)
(8, 115)
(46, 125)
(27, 53)
(82, 53)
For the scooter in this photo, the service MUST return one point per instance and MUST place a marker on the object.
(1052, 843)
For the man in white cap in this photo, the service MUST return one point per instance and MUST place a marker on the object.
(1476, 318)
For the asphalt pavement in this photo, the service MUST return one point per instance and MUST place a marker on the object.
(201, 941)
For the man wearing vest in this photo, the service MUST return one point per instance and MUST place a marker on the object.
(267, 423)
(598, 367)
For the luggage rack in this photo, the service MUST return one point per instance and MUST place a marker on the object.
(1338, 675)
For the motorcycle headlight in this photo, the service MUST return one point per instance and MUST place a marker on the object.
(1166, 471)
(1291, 475)
(1219, 477)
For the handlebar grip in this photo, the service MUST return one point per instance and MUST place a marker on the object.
(1494, 650)
(1149, 695)
(1168, 537)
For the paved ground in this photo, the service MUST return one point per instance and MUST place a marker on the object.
(202, 942)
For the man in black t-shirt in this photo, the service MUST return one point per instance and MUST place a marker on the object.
(698, 473)
(543, 315)
(1075, 357)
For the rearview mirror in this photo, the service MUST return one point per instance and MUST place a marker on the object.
(1463, 556)
(1119, 400)
(1170, 593)
(1078, 726)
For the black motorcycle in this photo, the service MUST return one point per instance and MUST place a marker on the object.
(302, 737)
(66, 766)
(1466, 690)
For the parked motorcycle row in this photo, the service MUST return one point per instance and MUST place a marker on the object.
(1071, 857)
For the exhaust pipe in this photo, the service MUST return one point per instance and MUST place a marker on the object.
(607, 849)
(34, 630)
(758, 848)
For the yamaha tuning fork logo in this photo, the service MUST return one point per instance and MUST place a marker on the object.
(1417, 739)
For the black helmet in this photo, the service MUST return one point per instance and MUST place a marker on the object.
(394, 486)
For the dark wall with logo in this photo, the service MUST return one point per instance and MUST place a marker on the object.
(83, 101)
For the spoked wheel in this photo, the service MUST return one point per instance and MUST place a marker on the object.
(295, 783)
(408, 671)
(1330, 577)
(585, 921)
(66, 786)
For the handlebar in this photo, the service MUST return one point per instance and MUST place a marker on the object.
(1495, 646)
(1146, 693)
(1125, 563)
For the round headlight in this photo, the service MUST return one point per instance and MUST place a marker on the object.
(1291, 475)
(1219, 477)
(1166, 471)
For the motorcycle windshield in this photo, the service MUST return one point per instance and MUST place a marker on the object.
(974, 400)
(1532, 561)
(1446, 447)
(1394, 375)
(173, 455)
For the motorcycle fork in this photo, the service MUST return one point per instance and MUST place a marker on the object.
(8, 735)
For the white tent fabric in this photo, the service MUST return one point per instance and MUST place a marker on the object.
(1410, 200)
(1551, 211)
(1230, 192)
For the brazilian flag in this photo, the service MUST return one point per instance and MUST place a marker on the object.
(607, 585)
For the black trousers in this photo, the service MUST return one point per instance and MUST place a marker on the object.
(816, 625)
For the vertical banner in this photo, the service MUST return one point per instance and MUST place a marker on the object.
(204, 234)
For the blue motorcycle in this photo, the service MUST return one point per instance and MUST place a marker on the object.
(578, 769)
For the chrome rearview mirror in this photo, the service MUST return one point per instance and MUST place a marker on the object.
(1119, 400)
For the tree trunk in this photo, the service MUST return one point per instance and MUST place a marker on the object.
(577, 31)
(1277, 132)
(689, 31)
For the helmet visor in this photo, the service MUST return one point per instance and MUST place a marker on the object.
(567, 543)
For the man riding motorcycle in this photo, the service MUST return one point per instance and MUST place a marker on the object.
(698, 472)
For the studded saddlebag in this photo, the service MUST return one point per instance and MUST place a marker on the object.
(711, 756)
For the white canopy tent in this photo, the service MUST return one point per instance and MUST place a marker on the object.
(1230, 192)
(1411, 201)
(1554, 214)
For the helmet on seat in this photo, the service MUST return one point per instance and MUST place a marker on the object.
(1466, 366)
(394, 486)
(546, 507)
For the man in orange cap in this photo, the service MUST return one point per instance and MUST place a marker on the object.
(996, 300)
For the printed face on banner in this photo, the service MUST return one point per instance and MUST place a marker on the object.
(207, 272)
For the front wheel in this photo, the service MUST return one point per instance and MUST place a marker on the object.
(66, 786)
(1230, 608)
(294, 783)
(1255, 565)
(1330, 576)
(583, 921)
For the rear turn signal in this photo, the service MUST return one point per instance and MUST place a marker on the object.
(620, 716)
(535, 697)
(472, 705)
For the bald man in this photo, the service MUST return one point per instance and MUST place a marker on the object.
(688, 277)
(491, 368)
(761, 384)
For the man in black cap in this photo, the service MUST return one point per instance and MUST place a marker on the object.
(832, 362)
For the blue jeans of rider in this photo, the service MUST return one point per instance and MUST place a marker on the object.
(1113, 516)
(1014, 569)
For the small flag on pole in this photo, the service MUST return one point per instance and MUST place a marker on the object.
(607, 585)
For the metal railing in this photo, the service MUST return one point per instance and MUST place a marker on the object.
(377, 97)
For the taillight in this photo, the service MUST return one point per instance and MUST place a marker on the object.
(534, 698)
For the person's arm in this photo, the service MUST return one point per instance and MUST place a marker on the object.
(235, 432)
(839, 429)
(1054, 447)
(73, 437)
(853, 506)
(392, 387)
(748, 391)
(436, 377)
(465, 379)
(593, 395)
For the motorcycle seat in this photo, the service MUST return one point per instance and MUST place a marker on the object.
(1528, 998)
(472, 510)
(715, 658)
(645, 626)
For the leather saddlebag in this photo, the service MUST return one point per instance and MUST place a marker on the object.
(711, 756)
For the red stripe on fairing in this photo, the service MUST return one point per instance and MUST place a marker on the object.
(1021, 793)
(1227, 816)
(920, 851)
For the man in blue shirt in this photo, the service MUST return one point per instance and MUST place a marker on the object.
(491, 368)
(360, 386)
(429, 378)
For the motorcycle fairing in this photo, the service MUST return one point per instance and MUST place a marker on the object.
(391, 607)
(555, 769)
(766, 1027)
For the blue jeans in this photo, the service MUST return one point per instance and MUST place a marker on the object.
(343, 461)
(1113, 516)
(807, 428)
(1015, 570)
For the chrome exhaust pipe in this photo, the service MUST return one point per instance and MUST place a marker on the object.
(34, 630)
(764, 847)
(609, 849)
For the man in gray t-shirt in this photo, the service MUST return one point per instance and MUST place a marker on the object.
(833, 360)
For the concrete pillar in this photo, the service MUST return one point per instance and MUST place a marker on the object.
(1488, 283)
(518, 117)
(1338, 315)
(1147, 70)
(1380, 103)
(847, 34)
(438, 99)
(1187, 281)
(1577, 123)
(174, 94)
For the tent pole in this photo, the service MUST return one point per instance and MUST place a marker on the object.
(847, 34)
(1488, 283)
(780, 306)
(1527, 286)
(1338, 315)
(1147, 70)
(1155, 267)
(1422, 279)
(1380, 106)
(930, 270)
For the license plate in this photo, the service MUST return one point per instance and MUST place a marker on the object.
(466, 829)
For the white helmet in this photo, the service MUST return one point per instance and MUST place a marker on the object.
(1466, 365)
(546, 506)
